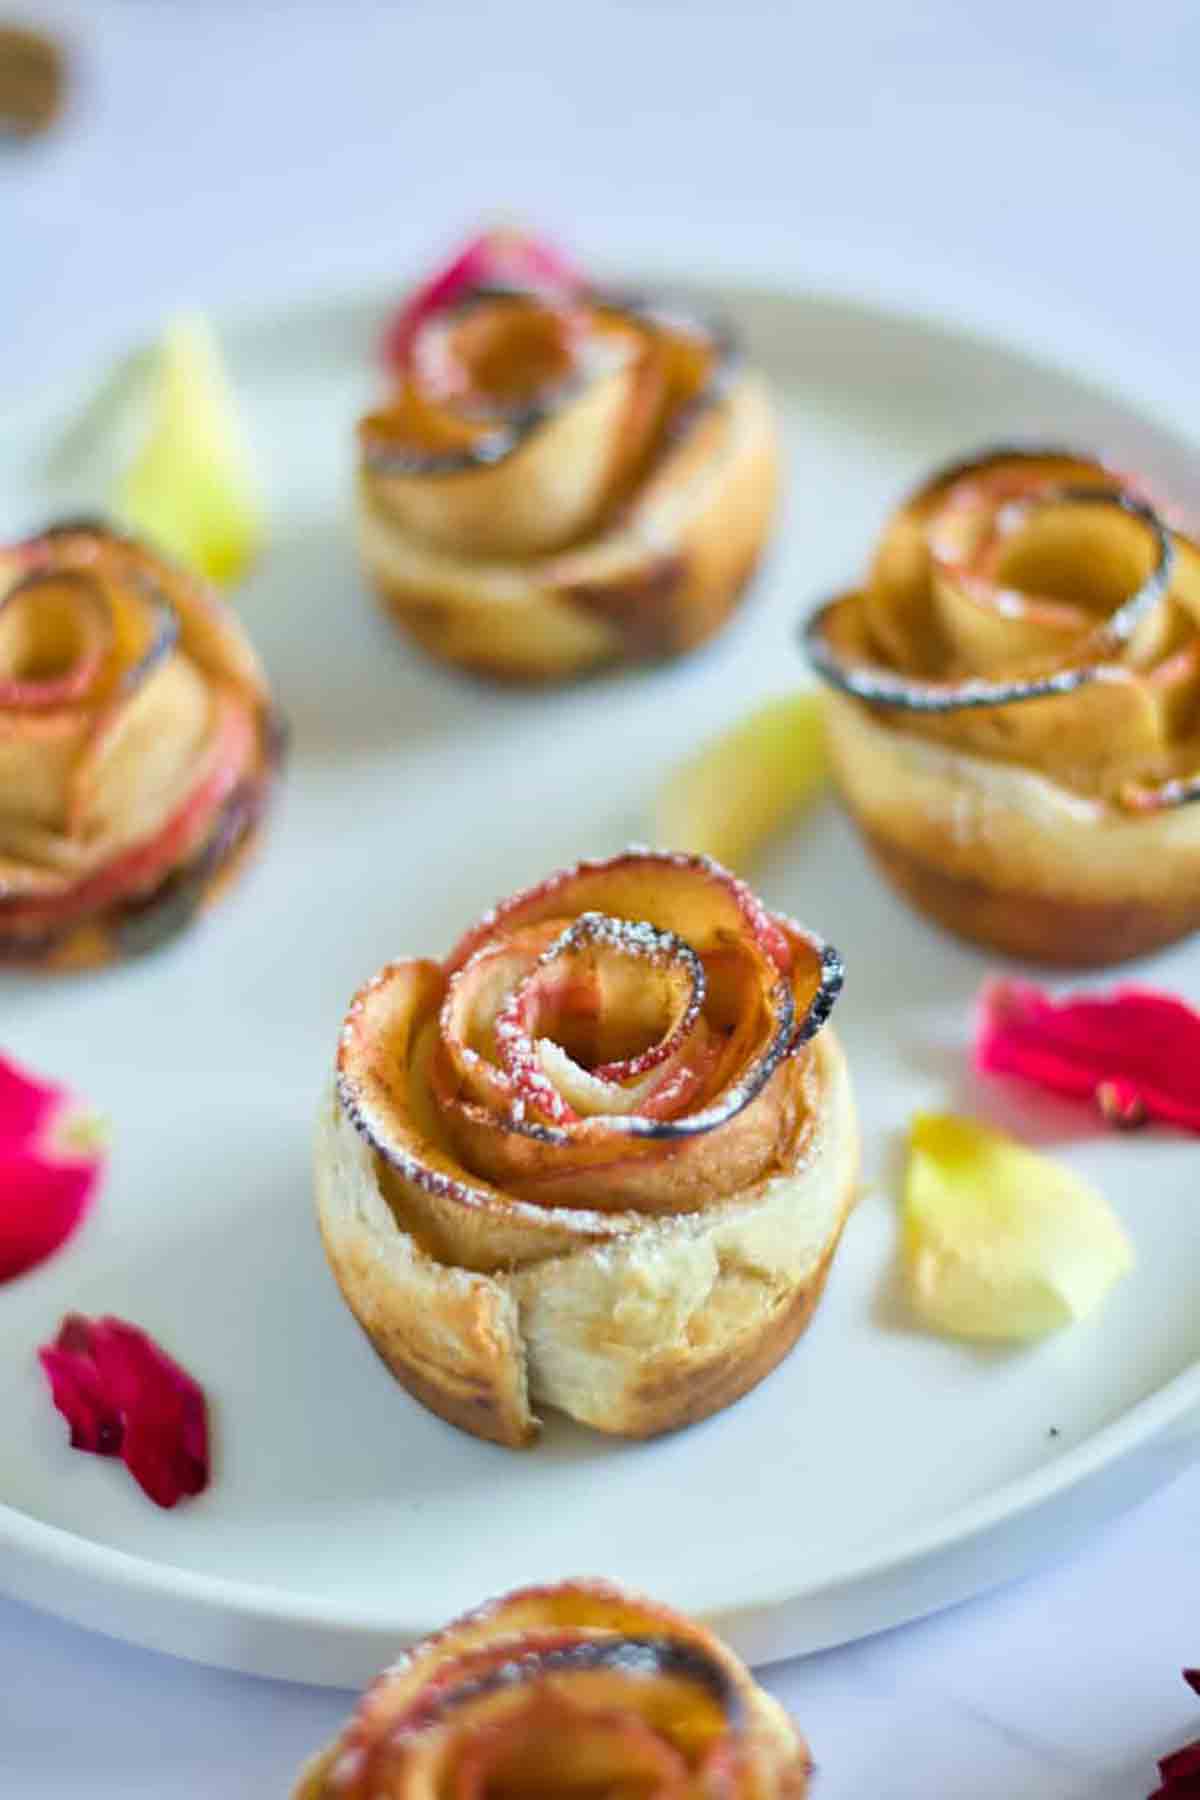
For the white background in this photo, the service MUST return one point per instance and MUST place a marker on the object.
(1033, 164)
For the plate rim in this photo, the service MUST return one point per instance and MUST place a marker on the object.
(1065, 347)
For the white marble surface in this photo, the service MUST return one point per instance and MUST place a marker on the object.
(1034, 161)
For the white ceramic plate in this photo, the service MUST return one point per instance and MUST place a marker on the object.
(878, 1473)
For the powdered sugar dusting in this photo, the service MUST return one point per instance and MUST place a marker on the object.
(535, 1106)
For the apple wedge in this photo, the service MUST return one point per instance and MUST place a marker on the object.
(741, 787)
(192, 489)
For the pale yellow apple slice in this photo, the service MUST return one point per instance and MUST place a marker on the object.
(192, 488)
(738, 789)
(1000, 1242)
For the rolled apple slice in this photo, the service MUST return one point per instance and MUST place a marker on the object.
(561, 476)
(1000, 1242)
(137, 747)
(884, 687)
(579, 1689)
(1014, 707)
(516, 425)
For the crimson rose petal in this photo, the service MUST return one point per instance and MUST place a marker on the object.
(1134, 1052)
(493, 259)
(51, 1162)
(78, 1390)
(1180, 1772)
(122, 1395)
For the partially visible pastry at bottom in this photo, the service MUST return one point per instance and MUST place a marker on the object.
(579, 1690)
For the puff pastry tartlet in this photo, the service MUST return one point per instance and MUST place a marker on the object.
(137, 746)
(575, 1690)
(599, 1159)
(1014, 715)
(562, 477)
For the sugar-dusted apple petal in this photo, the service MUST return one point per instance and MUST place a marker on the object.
(384, 1087)
(692, 896)
(739, 789)
(619, 996)
(542, 443)
(1000, 1242)
(192, 489)
(1008, 517)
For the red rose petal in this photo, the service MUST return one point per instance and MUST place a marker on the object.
(1182, 1762)
(498, 258)
(1180, 1772)
(1134, 1052)
(50, 1168)
(124, 1396)
(79, 1395)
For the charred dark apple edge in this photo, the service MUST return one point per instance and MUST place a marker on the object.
(788, 1033)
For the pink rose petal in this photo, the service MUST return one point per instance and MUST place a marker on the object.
(122, 1395)
(1135, 1053)
(51, 1163)
(495, 258)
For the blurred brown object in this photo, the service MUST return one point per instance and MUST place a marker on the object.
(32, 81)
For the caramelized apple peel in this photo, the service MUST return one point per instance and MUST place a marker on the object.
(1030, 605)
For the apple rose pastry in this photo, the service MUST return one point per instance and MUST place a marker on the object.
(576, 1690)
(1014, 719)
(561, 477)
(599, 1159)
(137, 745)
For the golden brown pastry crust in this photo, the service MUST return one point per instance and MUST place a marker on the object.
(579, 1688)
(1055, 825)
(138, 747)
(638, 1272)
(622, 522)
